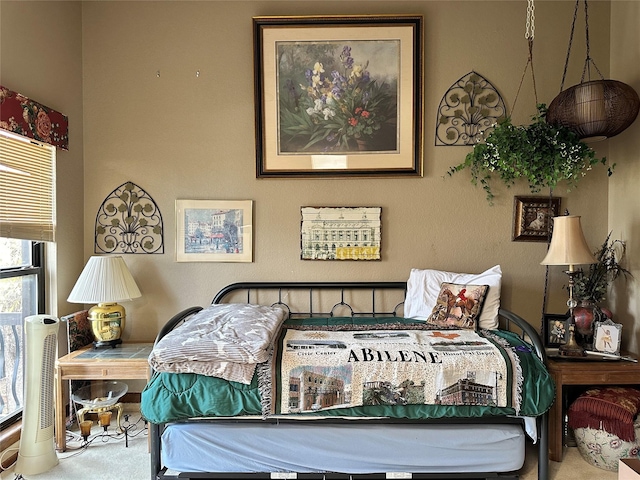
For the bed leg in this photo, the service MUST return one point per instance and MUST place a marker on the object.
(543, 448)
(154, 431)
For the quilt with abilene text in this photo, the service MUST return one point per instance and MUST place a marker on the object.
(344, 366)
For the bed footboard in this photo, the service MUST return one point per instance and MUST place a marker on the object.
(308, 299)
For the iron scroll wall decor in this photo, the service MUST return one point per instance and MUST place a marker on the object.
(129, 221)
(470, 107)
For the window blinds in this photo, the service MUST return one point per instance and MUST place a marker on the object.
(27, 188)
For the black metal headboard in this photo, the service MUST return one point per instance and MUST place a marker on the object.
(339, 299)
(374, 303)
(312, 300)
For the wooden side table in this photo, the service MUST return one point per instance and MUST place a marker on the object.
(128, 361)
(567, 372)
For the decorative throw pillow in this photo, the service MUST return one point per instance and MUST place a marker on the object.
(423, 287)
(458, 306)
(612, 409)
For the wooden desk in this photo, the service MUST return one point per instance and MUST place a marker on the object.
(588, 373)
(127, 361)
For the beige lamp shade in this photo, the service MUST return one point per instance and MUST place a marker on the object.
(104, 279)
(568, 245)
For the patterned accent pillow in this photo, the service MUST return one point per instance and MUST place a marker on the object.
(79, 331)
(612, 409)
(458, 306)
(423, 287)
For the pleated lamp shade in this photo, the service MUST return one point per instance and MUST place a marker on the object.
(568, 245)
(104, 279)
(595, 110)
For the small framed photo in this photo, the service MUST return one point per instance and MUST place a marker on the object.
(607, 337)
(555, 330)
(340, 233)
(532, 217)
(214, 231)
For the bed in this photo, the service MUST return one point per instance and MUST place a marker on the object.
(239, 434)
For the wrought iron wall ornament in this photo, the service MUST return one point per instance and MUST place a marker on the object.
(129, 221)
(470, 106)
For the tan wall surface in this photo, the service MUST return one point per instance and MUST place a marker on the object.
(41, 57)
(624, 200)
(182, 136)
(185, 137)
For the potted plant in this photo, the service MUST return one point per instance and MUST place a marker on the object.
(590, 288)
(542, 153)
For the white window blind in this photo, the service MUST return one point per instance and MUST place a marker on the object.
(27, 188)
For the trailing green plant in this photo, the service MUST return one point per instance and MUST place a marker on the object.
(592, 284)
(541, 153)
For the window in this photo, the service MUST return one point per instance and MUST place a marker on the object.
(27, 219)
(27, 188)
(21, 295)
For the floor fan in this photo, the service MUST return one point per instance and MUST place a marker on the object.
(37, 450)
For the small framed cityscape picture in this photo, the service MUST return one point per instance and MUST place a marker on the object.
(555, 329)
(607, 336)
(214, 230)
(340, 233)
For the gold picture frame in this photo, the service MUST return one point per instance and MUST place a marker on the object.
(332, 93)
(532, 217)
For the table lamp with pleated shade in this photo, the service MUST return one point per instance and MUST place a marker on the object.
(105, 280)
(568, 247)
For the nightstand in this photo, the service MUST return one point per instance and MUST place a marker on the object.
(568, 372)
(128, 361)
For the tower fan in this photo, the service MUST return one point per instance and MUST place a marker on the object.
(37, 450)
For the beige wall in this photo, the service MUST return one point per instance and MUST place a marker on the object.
(185, 137)
(624, 201)
(41, 57)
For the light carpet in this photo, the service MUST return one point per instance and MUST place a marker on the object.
(111, 460)
(104, 457)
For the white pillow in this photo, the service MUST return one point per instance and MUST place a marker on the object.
(423, 287)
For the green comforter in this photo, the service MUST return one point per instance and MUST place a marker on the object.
(172, 396)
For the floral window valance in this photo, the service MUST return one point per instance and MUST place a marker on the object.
(22, 115)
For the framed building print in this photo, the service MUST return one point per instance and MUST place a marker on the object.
(214, 231)
(340, 233)
(338, 95)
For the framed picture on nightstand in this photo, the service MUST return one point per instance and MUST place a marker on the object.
(555, 330)
(607, 336)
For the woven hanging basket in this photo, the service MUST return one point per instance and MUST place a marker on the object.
(596, 109)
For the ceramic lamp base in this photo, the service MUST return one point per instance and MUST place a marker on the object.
(107, 323)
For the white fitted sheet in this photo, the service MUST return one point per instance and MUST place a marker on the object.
(373, 448)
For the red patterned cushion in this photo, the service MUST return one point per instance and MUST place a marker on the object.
(611, 409)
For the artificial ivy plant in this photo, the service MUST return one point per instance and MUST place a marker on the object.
(542, 153)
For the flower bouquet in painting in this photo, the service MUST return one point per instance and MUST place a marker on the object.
(332, 102)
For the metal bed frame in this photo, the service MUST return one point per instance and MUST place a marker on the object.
(278, 292)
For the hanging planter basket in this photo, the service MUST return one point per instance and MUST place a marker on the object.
(595, 110)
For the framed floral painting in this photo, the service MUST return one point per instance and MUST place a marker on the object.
(338, 95)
